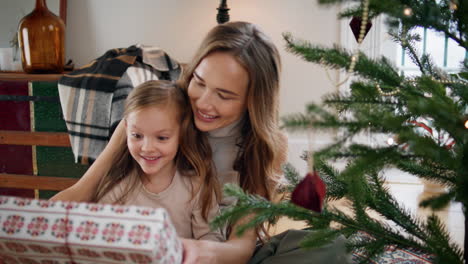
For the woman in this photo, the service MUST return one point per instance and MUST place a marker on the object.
(233, 86)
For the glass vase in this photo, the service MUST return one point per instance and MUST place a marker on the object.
(41, 36)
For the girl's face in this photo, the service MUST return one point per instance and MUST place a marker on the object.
(218, 91)
(153, 138)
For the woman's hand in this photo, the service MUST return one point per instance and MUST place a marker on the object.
(236, 250)
(197, 251)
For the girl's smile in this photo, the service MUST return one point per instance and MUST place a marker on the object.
(151, 159)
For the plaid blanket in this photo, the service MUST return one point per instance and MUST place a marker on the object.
(92, 97)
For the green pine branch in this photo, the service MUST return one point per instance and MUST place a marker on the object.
(425, 116)
(438, 202)
(338, 58)
(439, 241)
(292, 178)
(258, 210)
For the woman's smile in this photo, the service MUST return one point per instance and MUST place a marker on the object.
(204, 117)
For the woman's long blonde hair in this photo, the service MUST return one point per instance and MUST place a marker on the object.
(193, 158)
(262, 142)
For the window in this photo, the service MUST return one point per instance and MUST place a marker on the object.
(445, 53)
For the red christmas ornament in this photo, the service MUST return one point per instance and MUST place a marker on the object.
(310, 192)
(355, 25)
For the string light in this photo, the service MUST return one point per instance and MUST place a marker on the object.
(408, 11)
(466, 124)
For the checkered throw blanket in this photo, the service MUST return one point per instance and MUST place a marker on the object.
(92, 97)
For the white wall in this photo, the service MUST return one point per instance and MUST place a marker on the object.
(178, 26)
(12, 11)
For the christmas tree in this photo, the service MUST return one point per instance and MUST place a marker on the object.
(426, 115)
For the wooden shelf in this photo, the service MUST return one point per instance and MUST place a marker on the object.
(22, 76)
(52, 139)
(35, 182)
(14, 138)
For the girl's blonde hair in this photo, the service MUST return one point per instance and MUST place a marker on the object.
(193, 158)
(262, 143)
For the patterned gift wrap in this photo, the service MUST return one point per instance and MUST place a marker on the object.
(40, 231)
(391, 254)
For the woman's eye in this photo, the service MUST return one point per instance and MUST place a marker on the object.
(137, 136)
(222, 96)
(163, 138)
(199, 84)
(197, 81)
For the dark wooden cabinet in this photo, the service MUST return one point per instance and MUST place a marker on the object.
(35, 155)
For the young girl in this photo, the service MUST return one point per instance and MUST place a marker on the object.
(164, 161)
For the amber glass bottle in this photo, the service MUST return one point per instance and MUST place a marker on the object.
(41, 37)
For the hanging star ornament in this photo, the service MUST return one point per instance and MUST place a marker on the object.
(310, 192)
(355, 25)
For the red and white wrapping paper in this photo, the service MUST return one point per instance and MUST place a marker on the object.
(40, 231)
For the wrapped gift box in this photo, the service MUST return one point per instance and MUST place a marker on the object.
(40, 231)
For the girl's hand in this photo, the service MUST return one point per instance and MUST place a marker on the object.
(197, 251)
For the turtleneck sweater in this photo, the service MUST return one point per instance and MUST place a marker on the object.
(224, 145)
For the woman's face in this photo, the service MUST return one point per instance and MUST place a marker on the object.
(218, 91)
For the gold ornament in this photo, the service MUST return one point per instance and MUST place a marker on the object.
(453, 5)
(392, 93)
(355, 56)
